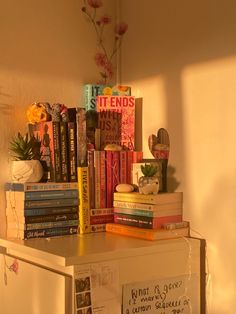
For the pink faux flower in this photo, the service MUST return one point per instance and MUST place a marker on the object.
(14, 266)
(105, 19)
(121, 28)
(100, 59)
(95, 3)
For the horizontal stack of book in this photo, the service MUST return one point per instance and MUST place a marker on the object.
(36, 210)
(150, 217)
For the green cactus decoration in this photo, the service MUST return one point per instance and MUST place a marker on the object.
(149, 170)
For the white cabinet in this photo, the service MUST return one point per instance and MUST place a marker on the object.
(45, 284)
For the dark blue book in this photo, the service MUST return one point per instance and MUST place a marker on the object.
(49, 211)
(42, 195)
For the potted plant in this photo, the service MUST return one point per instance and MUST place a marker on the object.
(26, 166)
(148, 183)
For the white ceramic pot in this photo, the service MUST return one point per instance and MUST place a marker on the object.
(148, 185)
(26, 171)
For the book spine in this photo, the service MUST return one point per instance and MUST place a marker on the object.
(132, 211)
(109, 178)
(40, 186)
(98, 228)
(130, 205)
(115, 169)
(84, 196)
(101, 219)
(51, 224)
(81, 137)
(50, 232)
(97, 167)
(145, 222)
(101, 211)
(129, 166)
(51, 203)
(91, 170)
(103, 200)
(159, 199)
(56, 162)
(132, 221)
(72, 152)
(64, 151)
(49, 194)
(90, 93)
(49, 211)
(46, 218)
(134, 232)
(123, 166)
(137, 156)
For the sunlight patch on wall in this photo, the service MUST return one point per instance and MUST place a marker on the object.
(152, 92)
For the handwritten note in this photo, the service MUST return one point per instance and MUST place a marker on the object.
(175, 295)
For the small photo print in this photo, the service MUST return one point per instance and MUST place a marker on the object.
(83, 300)
(85, 311)
(82, 284)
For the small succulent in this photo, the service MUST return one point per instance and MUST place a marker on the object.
(149, 170)
(25, 147)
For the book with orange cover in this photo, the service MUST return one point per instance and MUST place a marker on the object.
(147, 234)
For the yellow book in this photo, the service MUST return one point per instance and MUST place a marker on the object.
(84, 200)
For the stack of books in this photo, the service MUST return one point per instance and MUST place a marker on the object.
(150, 217)
(36, 210)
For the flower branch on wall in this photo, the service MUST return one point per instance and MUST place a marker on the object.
(104, 59)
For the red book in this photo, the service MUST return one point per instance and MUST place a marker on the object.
(103, 188)
(129, 165)
(115, 169)
(101, 219)
(97, 178)
(91, 178)
(123, 166)
(137, 156)
(116, 119)
(145, 222)
(109, 179)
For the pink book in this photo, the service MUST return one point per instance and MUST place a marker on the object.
(129, 165)
(103, 188)
(97, 179)
(109, 178)
(101, 219)
(115, 169)
(123, 166)
(116, 119)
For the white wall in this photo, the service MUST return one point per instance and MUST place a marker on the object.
(180, 57)
(46, 53)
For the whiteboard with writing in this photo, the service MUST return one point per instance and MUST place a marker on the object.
(175, 295)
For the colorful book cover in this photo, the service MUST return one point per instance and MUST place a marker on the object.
(43, 186)
(49, 134)
(123, 166)
(72, 152)
(91, 91)
(144, 221)
(109, 178)
(116, 119)
(84, 197)
(147, 234)
(103, 188)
